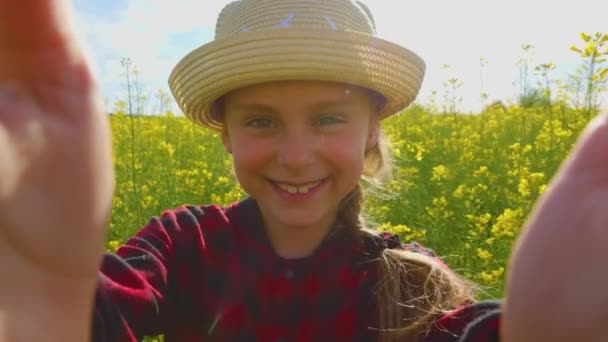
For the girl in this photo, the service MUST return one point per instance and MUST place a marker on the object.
(297, 89)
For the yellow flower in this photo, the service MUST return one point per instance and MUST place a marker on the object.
(483, 254)
(486, 277)
(508, 224)
(148, 201)
(397, 152)
(113, 245)
(499, 272)
(216, 199)
(459, 192)
(440, 173)
(405, 232)
(524, 187)
(482, 171)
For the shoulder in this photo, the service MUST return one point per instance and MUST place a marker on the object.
(188, 217)
(189, 223)
(473, 322)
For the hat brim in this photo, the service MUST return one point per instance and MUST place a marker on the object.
(248, 58)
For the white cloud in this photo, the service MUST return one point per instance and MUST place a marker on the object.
(441, 31)
(175, 15)
(142, 32)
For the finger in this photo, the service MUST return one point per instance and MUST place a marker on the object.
(585, 170)
(38, 45)
(571, 198)
(567, 224)
(590, 155)
(33, 24)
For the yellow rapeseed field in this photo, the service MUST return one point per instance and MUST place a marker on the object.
(462, 185)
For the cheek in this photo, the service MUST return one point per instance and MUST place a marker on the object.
(247, 163)
(250, 153)
(347, 153)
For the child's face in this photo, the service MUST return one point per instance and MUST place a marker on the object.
(298, 146)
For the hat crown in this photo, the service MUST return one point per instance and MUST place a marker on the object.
(257, 15)
(258, 41)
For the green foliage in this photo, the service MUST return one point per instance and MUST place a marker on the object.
(462, 188)
(463, 184)
(594, 70)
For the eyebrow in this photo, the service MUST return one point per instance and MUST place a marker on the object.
(315, 106)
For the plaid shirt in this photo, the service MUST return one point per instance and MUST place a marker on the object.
(210, 274)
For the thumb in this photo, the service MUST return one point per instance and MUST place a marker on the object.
(568, 223)
(590, 155)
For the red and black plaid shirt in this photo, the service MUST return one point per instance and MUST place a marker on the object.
(210, 274)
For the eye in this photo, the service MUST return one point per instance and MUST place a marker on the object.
(329, 120)
(260, 123)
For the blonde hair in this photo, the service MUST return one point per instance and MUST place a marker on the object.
(413, 288)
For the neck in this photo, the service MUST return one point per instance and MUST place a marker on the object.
(295, 242)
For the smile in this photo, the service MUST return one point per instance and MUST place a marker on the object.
(298, 188)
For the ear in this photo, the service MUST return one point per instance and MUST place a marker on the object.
(226, 139)
(373, 134)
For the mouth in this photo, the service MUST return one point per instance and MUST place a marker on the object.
(299, 188)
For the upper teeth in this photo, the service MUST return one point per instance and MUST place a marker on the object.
(302, 189)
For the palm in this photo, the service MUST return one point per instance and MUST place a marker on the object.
(557, 281)
(55, 173)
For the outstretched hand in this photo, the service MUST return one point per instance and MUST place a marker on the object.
(56, 178)
(557, 284)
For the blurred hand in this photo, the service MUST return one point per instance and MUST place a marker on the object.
(56, 178)
(557, 283)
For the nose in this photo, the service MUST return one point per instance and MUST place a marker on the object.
(296, 149)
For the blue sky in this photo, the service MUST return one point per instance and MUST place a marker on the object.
(155, 34)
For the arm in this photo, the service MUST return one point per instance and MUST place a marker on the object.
(130, 298)
(133, 288)
(139, 284)
(128, 306)
(56, 177)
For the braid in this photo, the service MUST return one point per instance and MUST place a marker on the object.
(377, 164)
(412, 288)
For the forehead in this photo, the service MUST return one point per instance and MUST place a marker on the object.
(299, 91)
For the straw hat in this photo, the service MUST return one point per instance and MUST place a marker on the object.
(260, 41)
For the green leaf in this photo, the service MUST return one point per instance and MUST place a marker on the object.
(585, 37)
(527, 47)
(575, 49)
(548, 66)
(590, 49)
